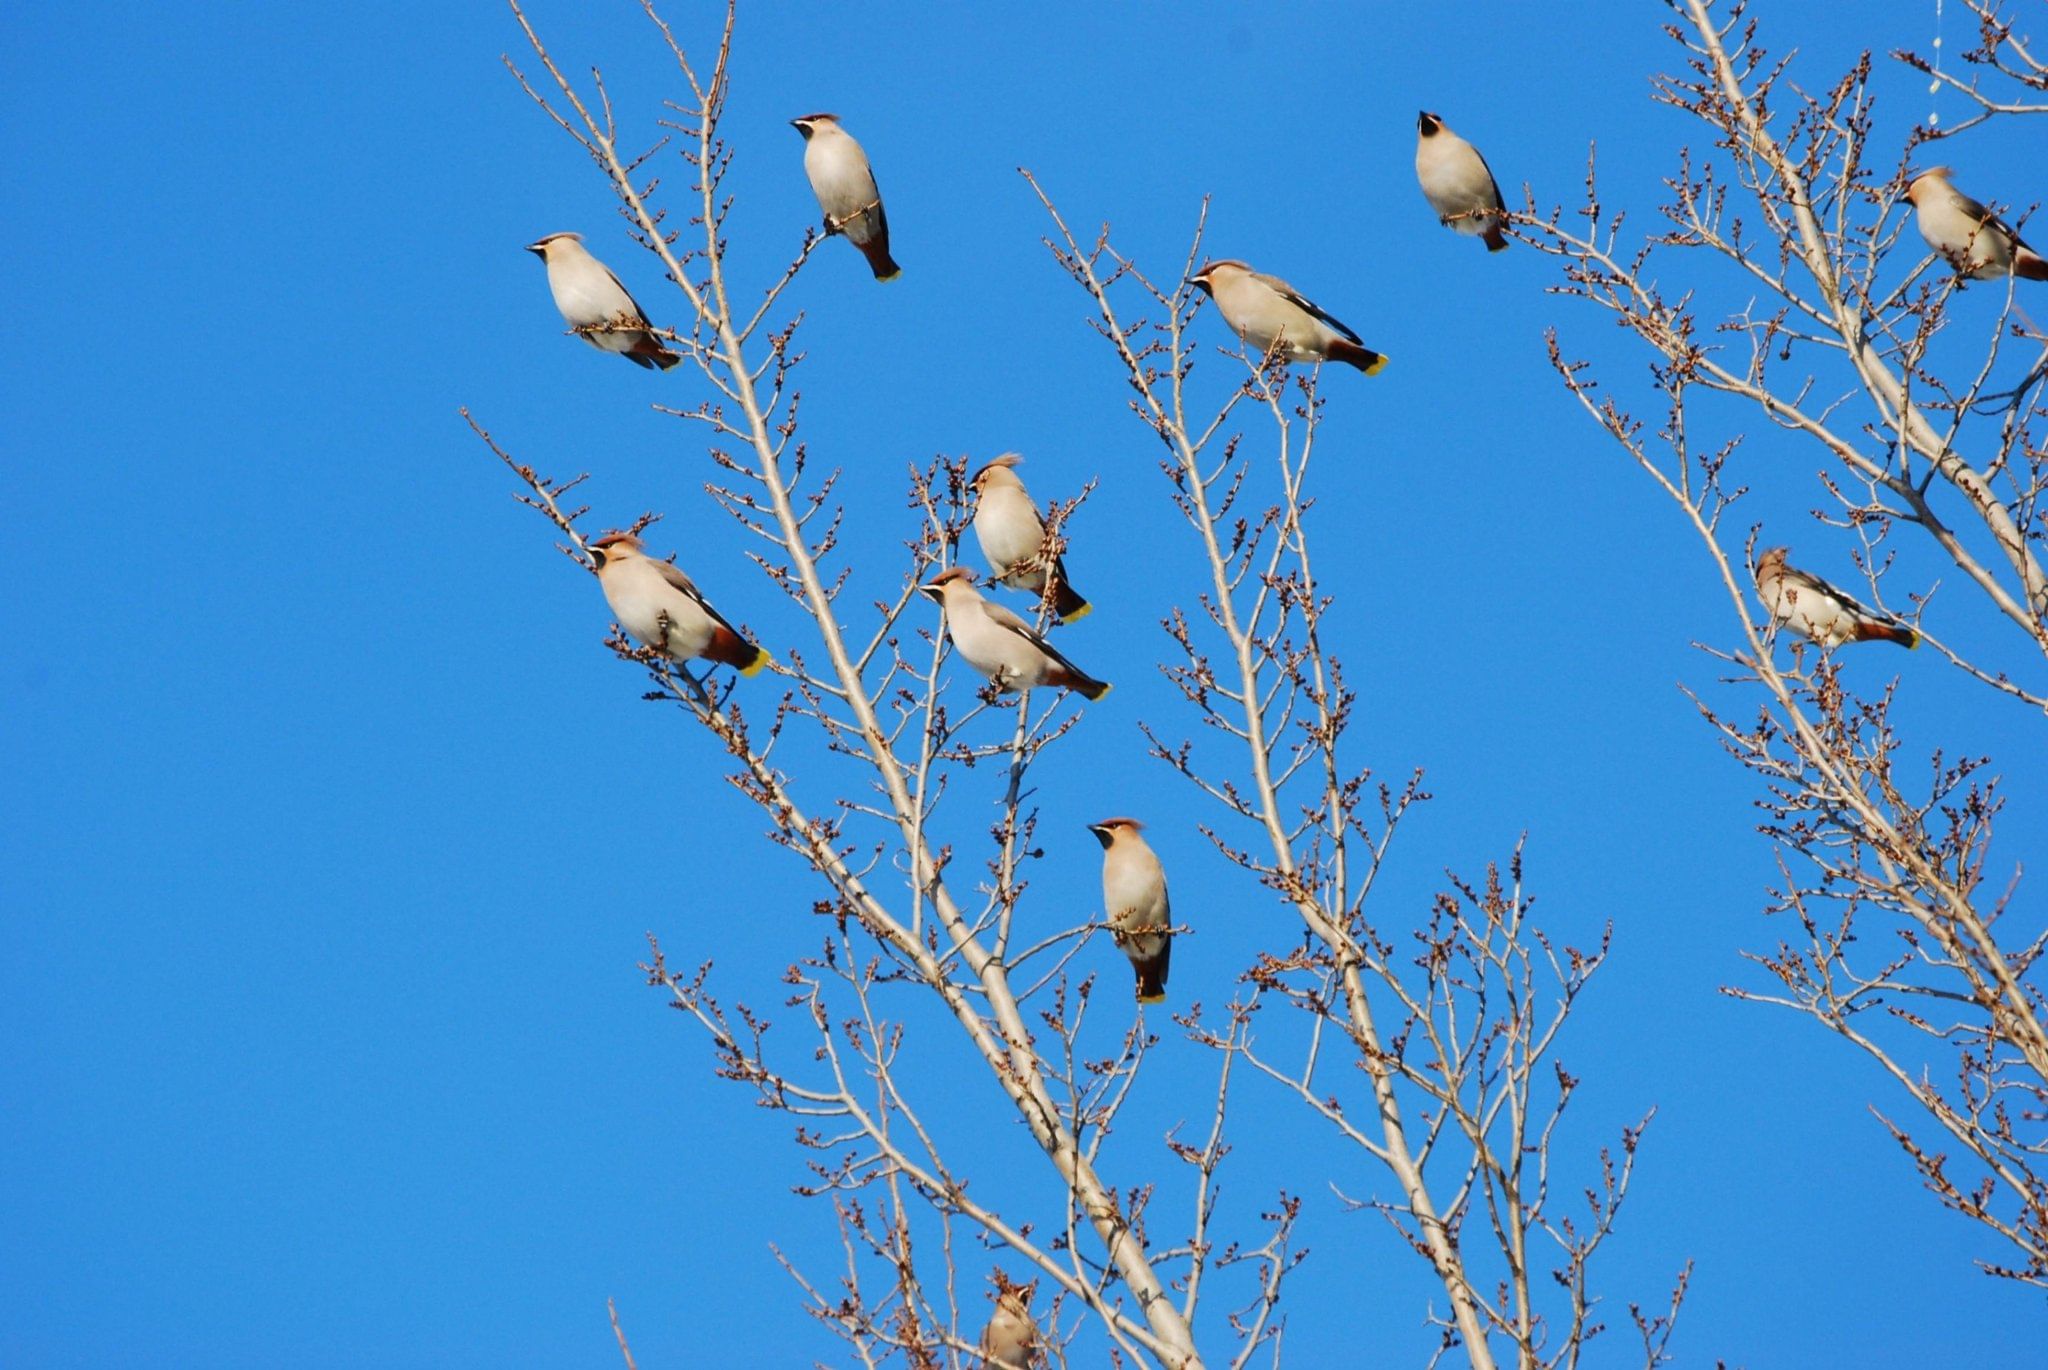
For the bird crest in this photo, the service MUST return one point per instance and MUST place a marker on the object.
(1007, 461)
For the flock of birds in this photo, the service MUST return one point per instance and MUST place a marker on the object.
(660, 607)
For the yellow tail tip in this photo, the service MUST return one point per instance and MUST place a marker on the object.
(1152, 998)
(1379, 365)
(1079, 614)
(758, 665)
(1106, 688)
(891, 276)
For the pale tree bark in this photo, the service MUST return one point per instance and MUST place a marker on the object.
(928, 933)
(1453, 1021)
(1464, 1090)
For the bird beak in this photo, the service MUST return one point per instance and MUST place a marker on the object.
(934, 592)
(597, 558)
(1102, 833)
(537, 249)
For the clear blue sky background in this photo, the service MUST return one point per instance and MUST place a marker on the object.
(333, 832)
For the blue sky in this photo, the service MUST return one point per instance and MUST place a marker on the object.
(333, 831)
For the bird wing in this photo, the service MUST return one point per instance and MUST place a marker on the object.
(1294, 296)
(1491, 179)
(1981, 213)
(639, 314)
(673, 574)
(1999, 225)
(1986, 219)
(1807, 583)
(1007, 619)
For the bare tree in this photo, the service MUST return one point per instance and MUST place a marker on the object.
(1455, 1034)
(1449, 1016)
(1786, 278)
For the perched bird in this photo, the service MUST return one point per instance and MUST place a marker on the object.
(596, 305)
(1001, 645)
(1812, 607)
(1457, 183)
(1010, 1341)
(1011, 534)
(1265, 310)
(1134, 894)
(656, 603)
(1976, 242)
(845, 186)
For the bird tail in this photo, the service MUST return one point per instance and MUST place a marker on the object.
(647, 351)
(730, 649)
(1071, 678)
(1871, 630)
(1069, 605)
(1364, 358)
(1496, 241)
(1066, 675)
(876, 250)
(2030, 265)
(1152, 976)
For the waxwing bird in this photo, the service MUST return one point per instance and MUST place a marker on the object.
(1012, 537)
(1134, 894)
(1010, 1341)
(658, 606)
(1001, 645)
(845, 186)
(596, 305)
(1265, 310)
(1815, 609)
(1976, 242)
(1457, 183)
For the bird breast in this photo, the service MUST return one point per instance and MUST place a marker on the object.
(654, 612)
(1009, 528)
(1134, 889)
(839, 173)
(1454, 180)
(586, 294)
(1007, 1340)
